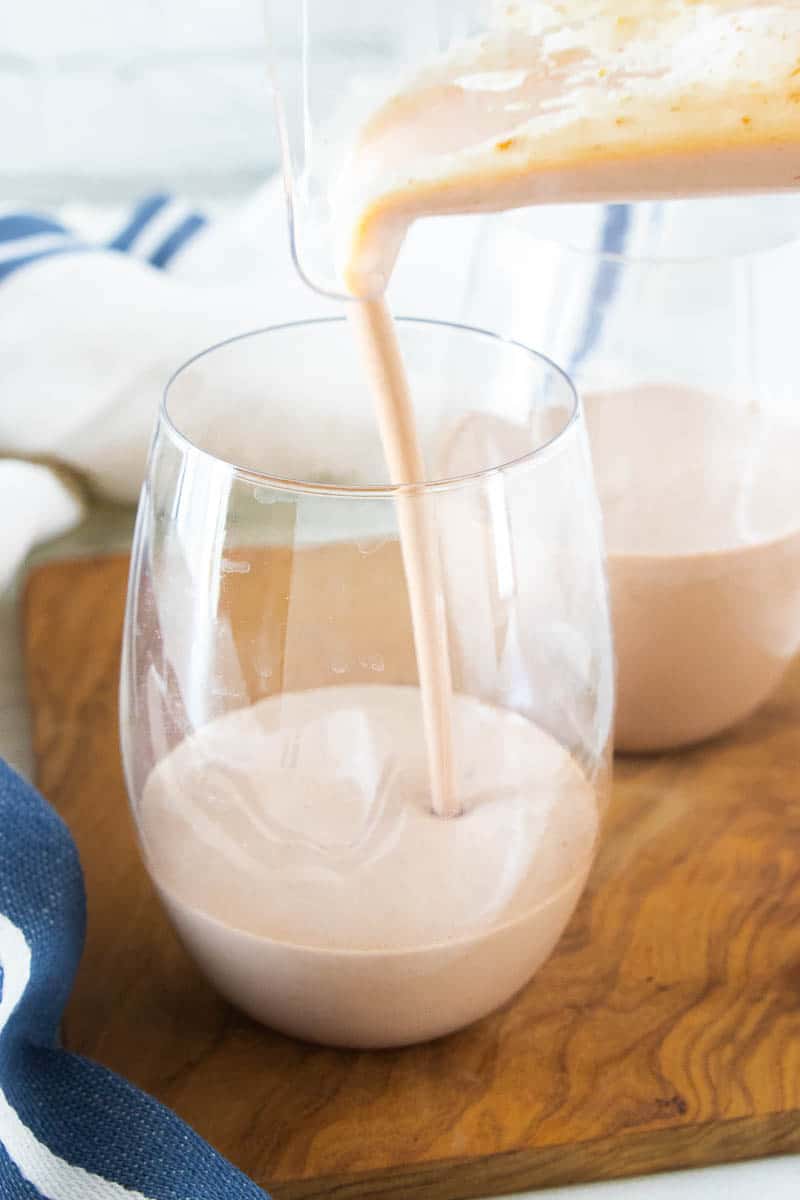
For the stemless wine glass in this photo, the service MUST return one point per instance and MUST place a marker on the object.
(272, 724)
(677, 323)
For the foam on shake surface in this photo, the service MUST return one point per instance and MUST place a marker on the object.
(294, 845)
(308, 818)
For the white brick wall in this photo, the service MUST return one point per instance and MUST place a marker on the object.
(103, 99)
(53, 29)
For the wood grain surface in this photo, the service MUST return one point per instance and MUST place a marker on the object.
(664, 1032)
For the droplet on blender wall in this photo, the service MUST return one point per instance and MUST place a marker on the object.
(338, 667)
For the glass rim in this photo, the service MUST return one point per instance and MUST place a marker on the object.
(372, 491)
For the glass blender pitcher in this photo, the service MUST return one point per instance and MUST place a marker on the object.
(388, 113)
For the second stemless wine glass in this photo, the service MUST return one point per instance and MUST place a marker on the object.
(677, 323)
(272, 725)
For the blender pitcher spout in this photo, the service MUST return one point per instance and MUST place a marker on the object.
(331, 64)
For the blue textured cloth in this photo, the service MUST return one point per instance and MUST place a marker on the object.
(156, 230)
(69, 1129)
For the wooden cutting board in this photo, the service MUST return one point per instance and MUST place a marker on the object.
(663, 1033)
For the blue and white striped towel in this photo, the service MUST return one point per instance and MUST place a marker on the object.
(155, 232)
(93, 322)
(70, 1130)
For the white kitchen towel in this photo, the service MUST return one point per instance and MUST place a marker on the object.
(93, 321)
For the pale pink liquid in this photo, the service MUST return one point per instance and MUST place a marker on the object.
(377, 342)
(702, 529)
(294, 846)
(703, 537)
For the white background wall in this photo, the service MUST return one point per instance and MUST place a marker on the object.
(101, 99)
